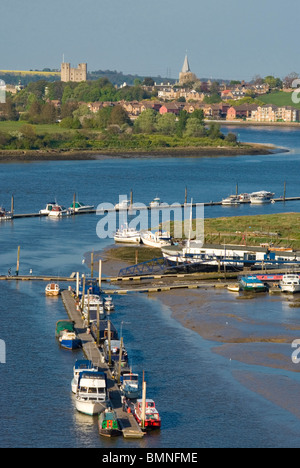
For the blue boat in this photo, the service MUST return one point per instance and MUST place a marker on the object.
(251, 283)
(66, 335)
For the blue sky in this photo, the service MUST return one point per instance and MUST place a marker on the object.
(228, 39)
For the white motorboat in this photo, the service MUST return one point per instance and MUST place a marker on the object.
(91, 305)
(258, 198)
(52, 289)
(82, 365)
(127, 235)
(231, 200)
(80, 207)
(91, 396)
(290, 283)
(156, 239)
(234, 287)
(123, 205)
(48, 208)
(244, 197)
(108, 303)
(58, 211)
(5, 215)
(155, 203)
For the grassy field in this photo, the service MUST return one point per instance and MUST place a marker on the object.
(10, 126)
(279, 229)
(279, 98)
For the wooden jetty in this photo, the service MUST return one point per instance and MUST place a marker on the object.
(129, 425)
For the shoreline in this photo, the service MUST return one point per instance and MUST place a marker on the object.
(91, 155)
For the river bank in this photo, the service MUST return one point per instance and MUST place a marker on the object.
(77, 155)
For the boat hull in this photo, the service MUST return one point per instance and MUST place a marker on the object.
(70, 344)
(148, 424)
(90, 408)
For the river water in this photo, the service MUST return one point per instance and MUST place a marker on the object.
(201, 401)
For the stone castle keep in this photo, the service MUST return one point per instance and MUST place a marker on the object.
(73, 74)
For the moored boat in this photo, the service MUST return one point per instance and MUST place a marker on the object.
(290, 283)
(156, 239)
(232, 200)
(112, 351)
(108, 423)
(258, 198)
(66, 335)
(127, 235)
(123, 205)
(48, 208)
(251, 283)
(58, 211)
(80, 207)
(5, 215)
(52, 289)
(91, 396)
(108, 303)
(234, 287)
(155, 203)
(81, 365)
(129, 385)
(152, 417)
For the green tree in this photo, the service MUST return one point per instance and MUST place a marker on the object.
(194, 128)
(166, 124)
(146, 121)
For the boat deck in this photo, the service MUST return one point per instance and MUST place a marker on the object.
(129, 426)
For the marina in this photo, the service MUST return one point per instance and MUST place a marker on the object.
(228, 340)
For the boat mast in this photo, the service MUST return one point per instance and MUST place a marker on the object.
(191, 221)
(144, 402)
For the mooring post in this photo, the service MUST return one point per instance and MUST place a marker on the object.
(12, 209)
(284, 191)
(18, 262)
(100, 273)
(92, 264)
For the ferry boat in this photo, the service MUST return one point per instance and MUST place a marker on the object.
(152, 418)
(5, 215)
(157, 239)
(80, 207)
(231, 200)
(91, 396)
(129, 385)
(52, 289)
(251, 283)
(127, 235)
(81, 365)
(258, 198)
(290, 283)
(66, 335)
(108, 423)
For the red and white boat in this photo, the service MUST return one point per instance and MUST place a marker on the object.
(152, 418)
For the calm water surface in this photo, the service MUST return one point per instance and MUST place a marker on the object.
(200, 402)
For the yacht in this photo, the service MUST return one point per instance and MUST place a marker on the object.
(156, 239)
(258, 198)
(91, 395)
(108, 303)
(231, 200)
(127, 235)
(290, 283)
(130, 385)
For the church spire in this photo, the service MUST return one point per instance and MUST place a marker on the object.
(186, 66)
